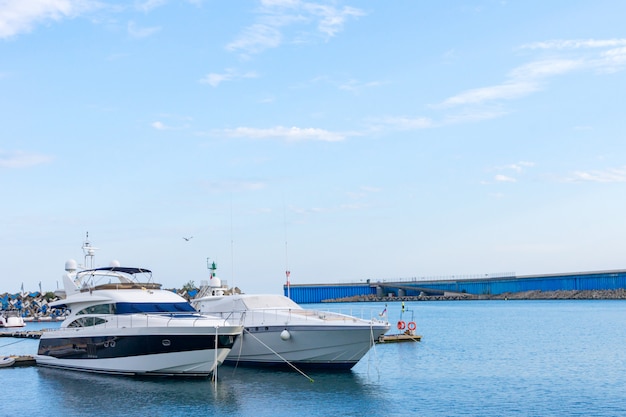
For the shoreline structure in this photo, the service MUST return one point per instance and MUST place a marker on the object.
(618, 294)
(34, 306)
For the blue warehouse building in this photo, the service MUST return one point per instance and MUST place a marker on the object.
(490, 285)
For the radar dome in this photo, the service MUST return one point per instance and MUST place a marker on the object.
(216, 282)
(71, 265)
(114, 263)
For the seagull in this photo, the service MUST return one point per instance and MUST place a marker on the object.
(187, 239)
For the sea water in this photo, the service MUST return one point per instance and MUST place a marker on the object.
(476, 358)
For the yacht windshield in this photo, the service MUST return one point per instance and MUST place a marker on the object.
(129, 308)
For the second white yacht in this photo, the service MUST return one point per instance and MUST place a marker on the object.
(278, 332)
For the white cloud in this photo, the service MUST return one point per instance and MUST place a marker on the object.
(504, 178)
(606, 176)
(485, 103)
(331, 18)
(178, 122)
(19, 159)
(276, 16)
(545, 68)
(519, 166)
(405, 123)
(612, 60)
(256, 38)
(21, 16)
(149, 5)
(531, 77)
(472, 115)
(506, 91)
(370, 189)
(291, 134)
(363, 192)
(215, 79)
(356, 86)
(141, 32)
(575, 44)
(280, 3)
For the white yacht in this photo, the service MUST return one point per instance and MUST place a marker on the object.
(120, 324)
(278, 332)
(11, 318)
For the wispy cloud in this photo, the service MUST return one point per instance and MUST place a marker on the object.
(159, 125)
(575, 44)
(484, 103)
(331, 20)
(355, 86)
(20, 159)
(256, 38)
(18, 17)
(504, 178)
(141, 32)
(291, 134)
(518, 166)
(538, 70)
(402, 123)
(175, 122)
(522, 81)
(532, 77)
(604, 176)
(214, 79)
(470, 115)
(276, 16)
(509, 173)
(363, 192)
(149, 5)
(507, 91)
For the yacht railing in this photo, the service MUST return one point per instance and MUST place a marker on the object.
(137, 320)
(286, 316)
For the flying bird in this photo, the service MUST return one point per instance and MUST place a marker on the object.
(187, 239)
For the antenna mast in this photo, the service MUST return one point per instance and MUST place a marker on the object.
(287, 271)
(89, 251)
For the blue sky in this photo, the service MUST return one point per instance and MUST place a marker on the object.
(343, 140)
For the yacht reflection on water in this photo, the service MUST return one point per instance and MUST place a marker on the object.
(237, 393)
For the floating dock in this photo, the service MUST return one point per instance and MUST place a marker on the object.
(13, 361)
(402, 337)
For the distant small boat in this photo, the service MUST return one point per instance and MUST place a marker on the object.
(11, 318)
(408, 334)
(6, 361)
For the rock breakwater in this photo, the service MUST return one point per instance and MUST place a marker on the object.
(618, 294)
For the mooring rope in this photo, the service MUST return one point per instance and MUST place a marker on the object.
(12, 343)
(275, 353)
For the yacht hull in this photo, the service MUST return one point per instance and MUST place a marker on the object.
(147, 351)
(308, 346)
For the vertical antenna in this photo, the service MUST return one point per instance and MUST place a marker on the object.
(232, 256)
(89, 252)
(287, 272)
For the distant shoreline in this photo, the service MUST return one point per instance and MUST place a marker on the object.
(618, 294)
